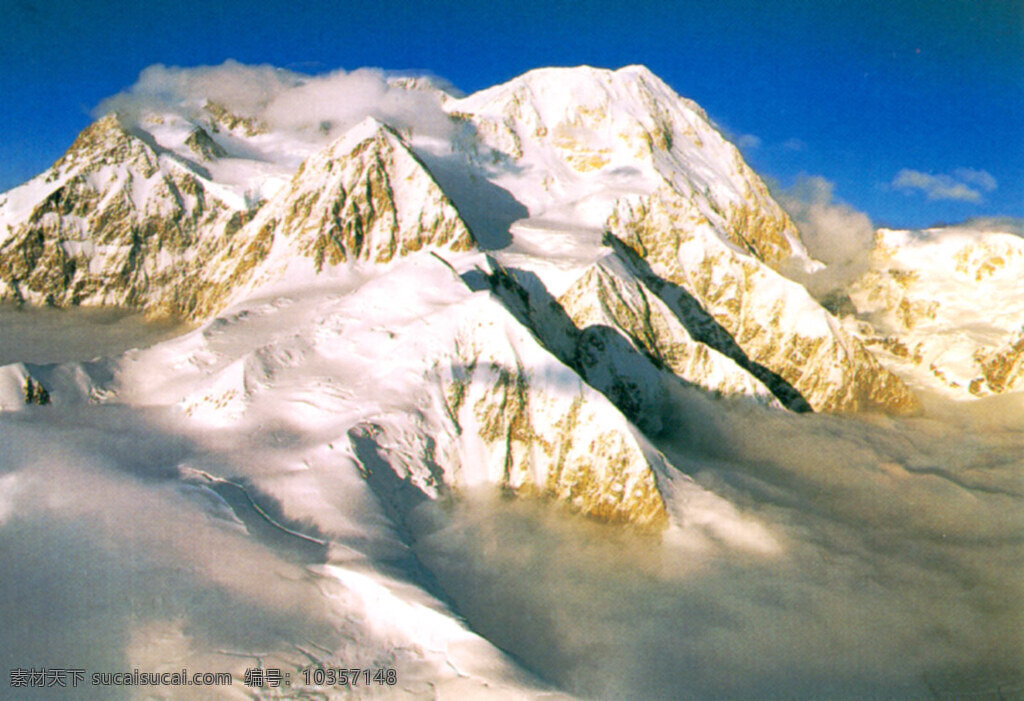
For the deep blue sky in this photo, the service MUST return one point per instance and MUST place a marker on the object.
(854, 91)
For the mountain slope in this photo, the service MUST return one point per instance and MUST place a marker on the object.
(574, 140)
(121, 221)
(630, 249)
(611, 295)
(772, 322)
(943, 307)
(116, 221)
(590, 151)
(365, 198)
(467, 397)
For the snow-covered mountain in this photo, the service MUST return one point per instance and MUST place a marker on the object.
(621, 238)
(944, 308)
(383, 316)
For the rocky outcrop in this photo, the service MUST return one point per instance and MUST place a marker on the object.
(918, 307)
(773, 322)
(364, 198)
(203, 146)
(220, 117)
(114, 222)
(1002, 369)
(533, 426)
(65, 384)
(609, 295)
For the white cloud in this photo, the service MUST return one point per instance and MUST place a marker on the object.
(981, 178)
(1002, 225)
(834, 233)
(339, 99)
(964, 185)
(748, 141)
(794, 144)
(311, 105)
(243, 89)
(887, 539)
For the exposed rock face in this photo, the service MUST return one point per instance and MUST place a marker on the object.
(200, 143)
(609, 295)
(364, 198)
(220, 117)
(536, 428)
(17, 387)
(113, 222)
(774, 323)
(1002, 369)
(367, 197)
(942, 307)
(66, 384)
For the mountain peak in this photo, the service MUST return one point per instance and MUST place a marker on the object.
(366, 129)
(559, 155)
(591, 134)
(221, 117)
(105, 142)
(203, 146)
(365, 197)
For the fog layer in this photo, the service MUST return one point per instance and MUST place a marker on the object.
(888, 564)
(899, 572)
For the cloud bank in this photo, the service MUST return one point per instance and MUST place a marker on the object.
(963, 185)
(311, 106)
(896, 572)
(897, 576)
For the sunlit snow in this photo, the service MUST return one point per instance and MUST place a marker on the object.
(287, 484)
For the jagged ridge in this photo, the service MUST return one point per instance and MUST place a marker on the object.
(652, 259)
